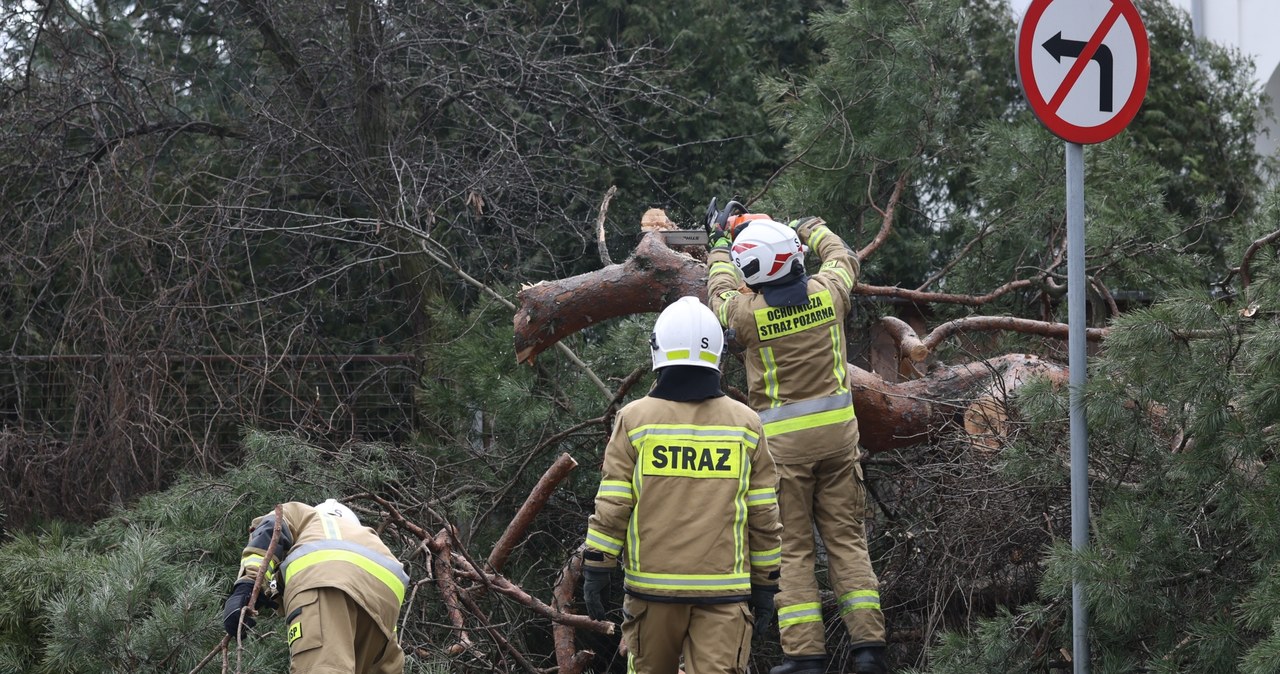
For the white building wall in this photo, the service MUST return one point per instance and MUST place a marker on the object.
(1250, 26)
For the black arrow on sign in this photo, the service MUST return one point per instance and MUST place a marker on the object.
(1058, 47)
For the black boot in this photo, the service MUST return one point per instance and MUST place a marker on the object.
(869, 660)
(805, 664)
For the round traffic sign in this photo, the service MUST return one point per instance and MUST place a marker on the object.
(1083, 66)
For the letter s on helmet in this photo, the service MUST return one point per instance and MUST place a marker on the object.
(765, 251)
(336, 509)
(687, 333)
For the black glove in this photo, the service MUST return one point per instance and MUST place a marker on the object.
(595, 590)
(231, 609)
(238, 600)
(761, 604)
(719, 233)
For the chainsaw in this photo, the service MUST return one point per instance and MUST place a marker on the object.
(715, 218)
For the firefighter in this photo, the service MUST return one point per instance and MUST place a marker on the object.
(687, 498)
(791, 329)
(341, 589)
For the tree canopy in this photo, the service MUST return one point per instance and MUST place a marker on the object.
(198, 194)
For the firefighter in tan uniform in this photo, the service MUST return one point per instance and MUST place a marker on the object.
(342, 589)
(791, 327)
(687, 498)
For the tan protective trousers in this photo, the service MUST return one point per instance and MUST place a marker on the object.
(830, 495)
(713, 638)
(329, 633)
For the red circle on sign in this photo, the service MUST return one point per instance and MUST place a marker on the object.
(1047, 113)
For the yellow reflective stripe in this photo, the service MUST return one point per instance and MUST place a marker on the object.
(834, 267)
(741, 434)
(859, 599)
(759, 497)
(809, 421)
(837, 339)
(375, 569)
(723, 312)
(615, 488)
(677, 354)
(251, 561)
(331, 529)
(766, 557)
(740, 515)
(817, 234)
(770, 378)
(603, 542)
(722, 267)
(709, 357)
(683, 581)
(633, 524)
(809, 612)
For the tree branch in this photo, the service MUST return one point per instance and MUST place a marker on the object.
(532, 505)
(886, 220)
(993, 323)
(600, 241)
(1245, 278)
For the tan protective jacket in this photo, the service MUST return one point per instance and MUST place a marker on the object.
(688, 490)
(795, 356)
(324, 551)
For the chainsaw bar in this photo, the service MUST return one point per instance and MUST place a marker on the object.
(684, 237)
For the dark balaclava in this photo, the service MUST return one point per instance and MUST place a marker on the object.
(687, 383)
(791, 290)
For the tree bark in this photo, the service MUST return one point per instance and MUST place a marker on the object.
(650, 279)
(890, 415)
(532, 506)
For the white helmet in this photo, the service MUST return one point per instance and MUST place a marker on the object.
(765, 251)
(336, 509)
(686, 333)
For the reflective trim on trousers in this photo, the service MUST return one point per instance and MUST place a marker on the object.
(808, 612)
(859, 599)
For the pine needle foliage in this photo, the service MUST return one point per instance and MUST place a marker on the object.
(1183, 570)
(142, 590)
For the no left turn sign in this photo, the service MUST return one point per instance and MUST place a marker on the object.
(1083, 66)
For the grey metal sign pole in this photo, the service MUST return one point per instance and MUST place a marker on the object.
(1077, 362)
(1058, 42)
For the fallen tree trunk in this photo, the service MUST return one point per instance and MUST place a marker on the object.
(890, 415)
(653, 277)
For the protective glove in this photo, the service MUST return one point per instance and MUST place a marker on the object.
(238, 600)
(762, 607)
(231, 609)
(719, 238)
(595, 590)
(805, 225)
(720, 234)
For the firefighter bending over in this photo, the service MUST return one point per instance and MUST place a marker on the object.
(687, 498)
(342, 590)
(791, 327)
